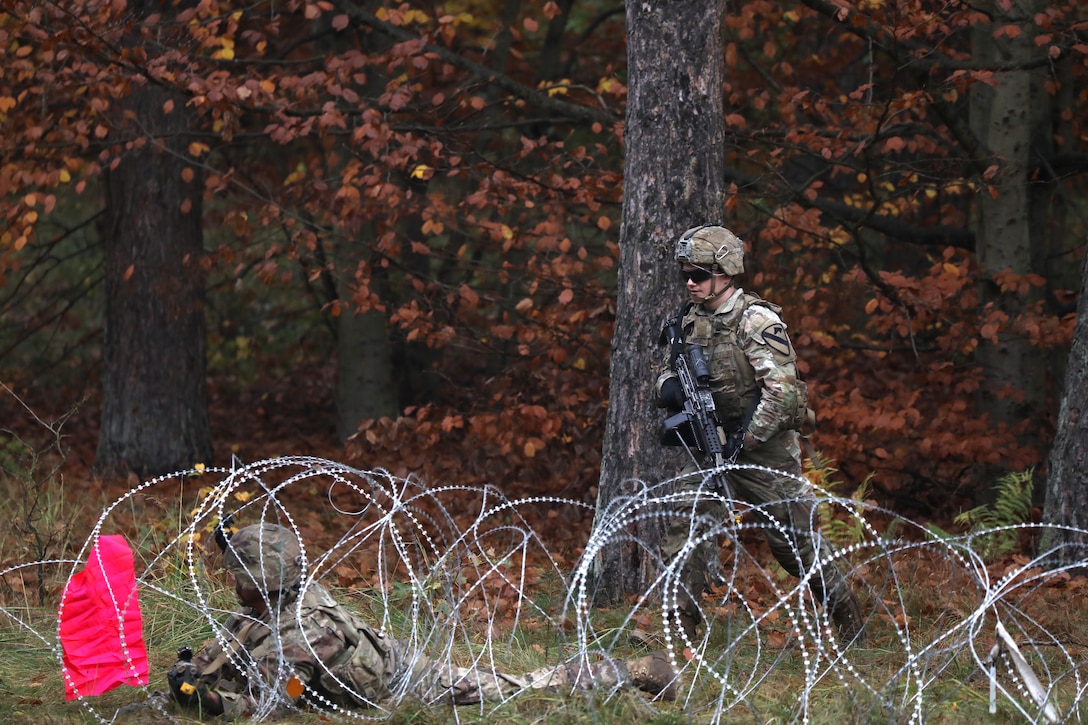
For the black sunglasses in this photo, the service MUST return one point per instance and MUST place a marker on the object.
(697, 275)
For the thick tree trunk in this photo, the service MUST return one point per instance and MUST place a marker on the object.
(154, 408)
(674, 168)
(1067, 480)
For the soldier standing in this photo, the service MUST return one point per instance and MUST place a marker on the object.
(288, 648)
(753, 377)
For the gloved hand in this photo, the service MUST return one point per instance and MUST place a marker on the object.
(188, 692)
(672, 394)
(750, 441)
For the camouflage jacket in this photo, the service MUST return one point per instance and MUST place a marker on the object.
(307, 650)
(748, 351)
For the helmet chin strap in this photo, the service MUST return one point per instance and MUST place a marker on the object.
(714, 292)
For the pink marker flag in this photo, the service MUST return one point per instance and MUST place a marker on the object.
(101, 628)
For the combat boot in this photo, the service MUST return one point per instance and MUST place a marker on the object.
(654, 674)
(849, 624)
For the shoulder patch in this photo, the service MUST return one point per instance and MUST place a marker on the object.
(774, 336)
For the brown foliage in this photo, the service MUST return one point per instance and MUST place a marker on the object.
(480, 175)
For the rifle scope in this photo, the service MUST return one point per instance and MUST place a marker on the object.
(699, 365)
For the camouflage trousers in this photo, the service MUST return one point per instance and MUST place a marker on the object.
(786, 506)
(380, 667)
(462, 686)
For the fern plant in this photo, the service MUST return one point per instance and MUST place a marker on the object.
(1011, 507)
(842, 531)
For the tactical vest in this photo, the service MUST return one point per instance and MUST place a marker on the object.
(732, 378)
(367, 670)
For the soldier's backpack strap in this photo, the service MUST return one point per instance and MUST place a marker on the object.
(237, 642)
(675, 320)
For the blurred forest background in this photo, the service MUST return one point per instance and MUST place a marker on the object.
(390, 234)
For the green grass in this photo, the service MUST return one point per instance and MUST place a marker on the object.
(32, 689)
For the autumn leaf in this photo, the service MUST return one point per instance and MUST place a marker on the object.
(556, 89)
(469, 296)
(894, 144)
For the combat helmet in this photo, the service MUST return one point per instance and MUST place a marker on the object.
(711, 247)
(265, 557)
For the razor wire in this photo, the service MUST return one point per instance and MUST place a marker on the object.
(452, 574)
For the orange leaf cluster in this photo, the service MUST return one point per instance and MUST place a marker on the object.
(467, 183)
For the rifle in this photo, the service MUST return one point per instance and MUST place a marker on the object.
(223, 531)
(697, 423)
(188, 677)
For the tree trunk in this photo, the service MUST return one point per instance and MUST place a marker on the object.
(154, 408)
(1067, 480)
(1006, 118)
(674, 167)
(365, 387)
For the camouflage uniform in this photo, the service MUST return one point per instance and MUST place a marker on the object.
(309, 650)
(346, 663)
(749, 353)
